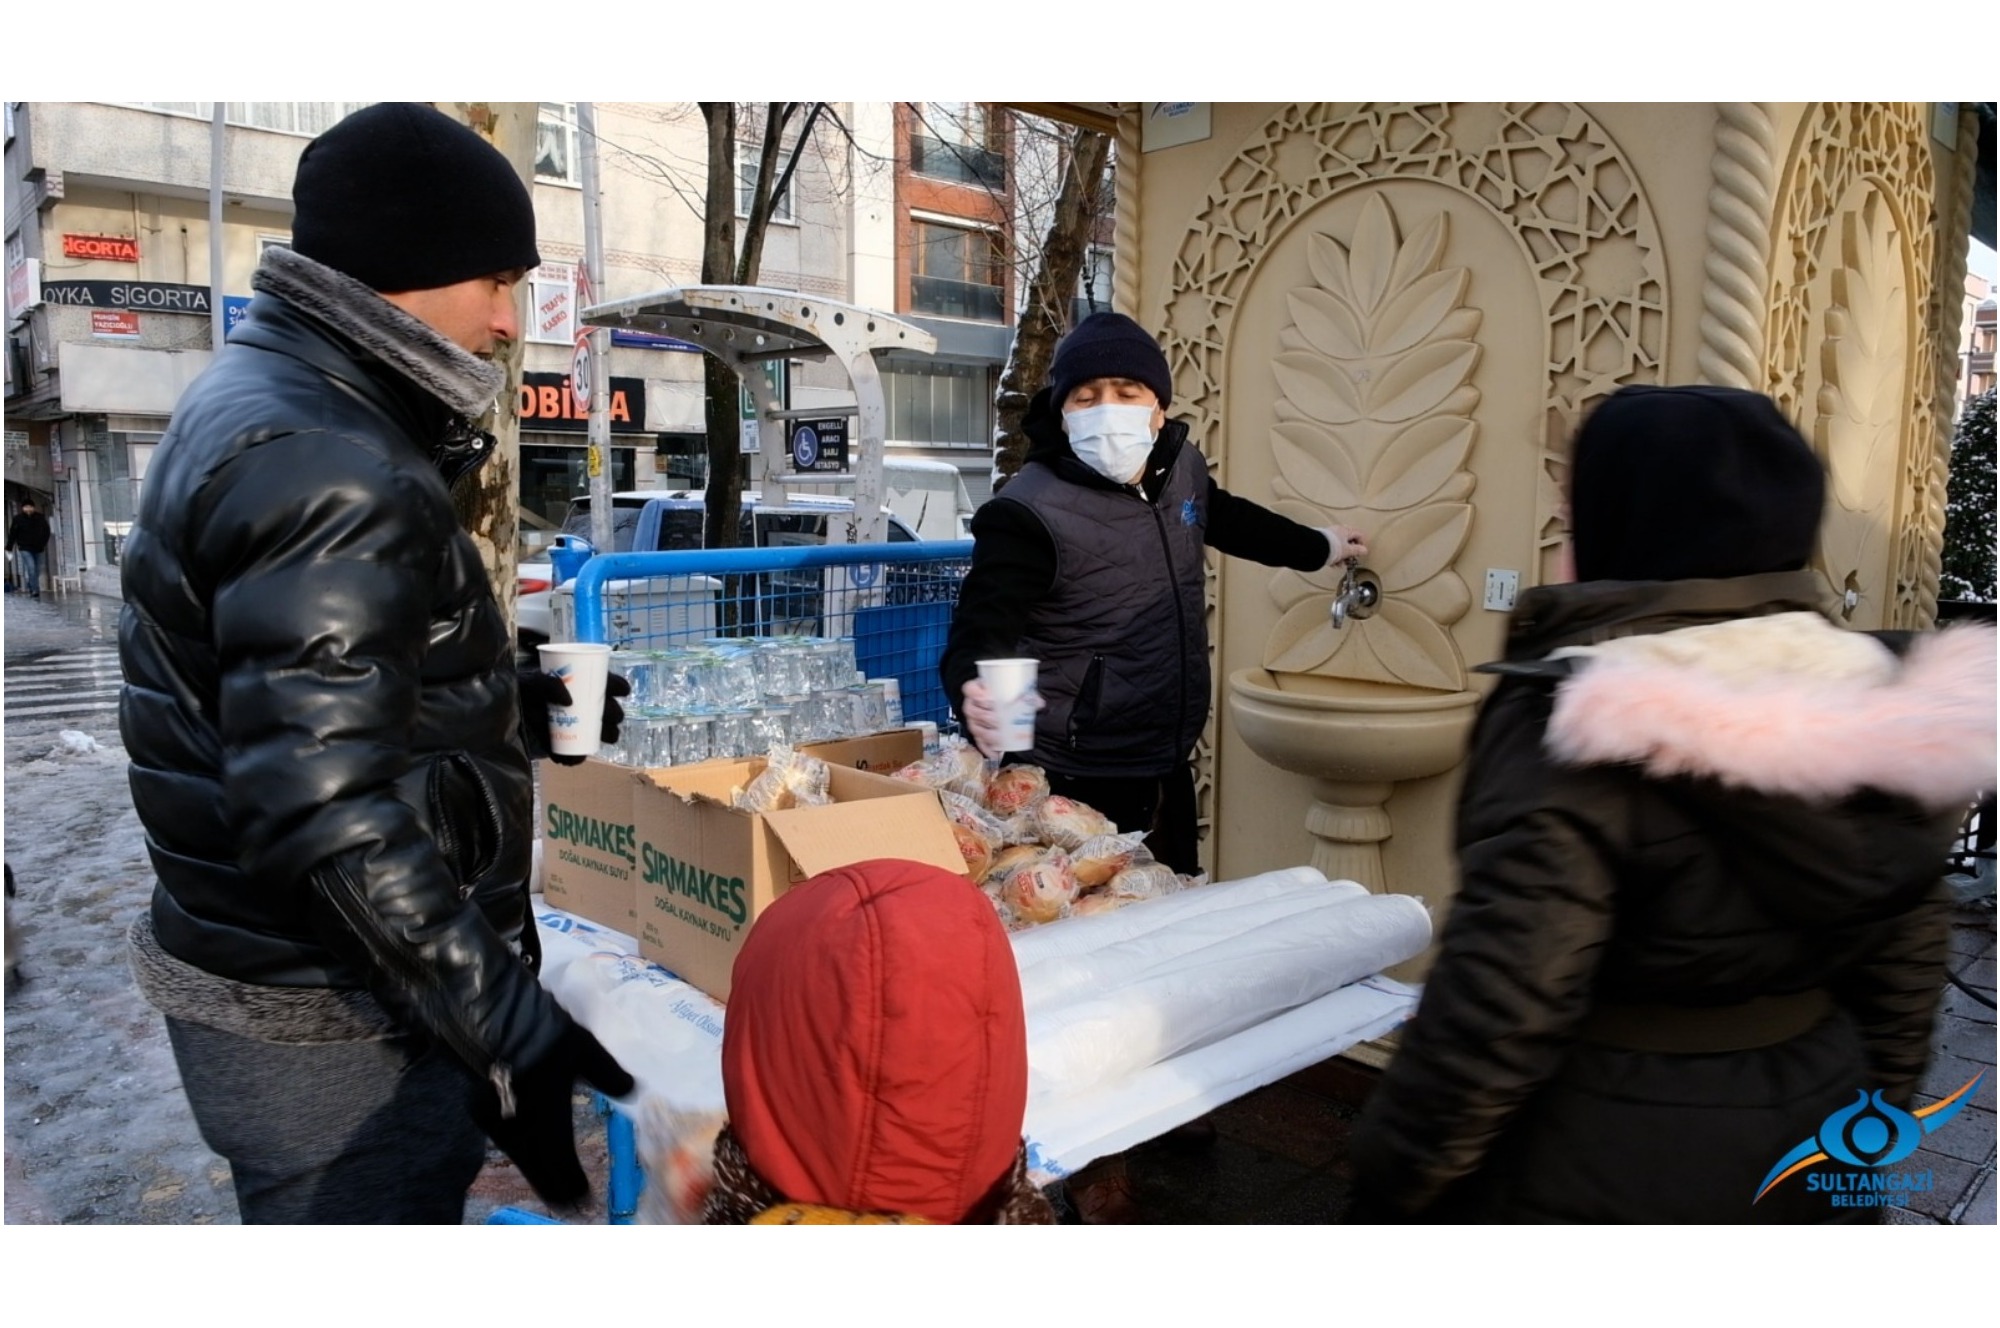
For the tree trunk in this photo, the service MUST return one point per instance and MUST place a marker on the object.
(724, 498)
(488, 505)
(1045, 313)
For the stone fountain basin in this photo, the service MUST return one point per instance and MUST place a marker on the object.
(1349, 730)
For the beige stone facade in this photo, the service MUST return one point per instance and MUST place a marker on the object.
(1393, 315)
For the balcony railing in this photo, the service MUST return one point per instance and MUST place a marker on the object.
(957, 161)
(955, 299)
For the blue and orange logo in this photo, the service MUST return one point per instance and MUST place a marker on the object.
(1867, 1134)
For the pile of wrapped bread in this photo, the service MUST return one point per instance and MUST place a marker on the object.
(1038, 856)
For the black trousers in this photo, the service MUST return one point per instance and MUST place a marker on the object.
(1162, 805)
(348, 1132)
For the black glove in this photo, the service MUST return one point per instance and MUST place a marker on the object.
(541, 1134)
(541, 690)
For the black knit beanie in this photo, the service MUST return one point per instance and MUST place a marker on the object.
(1669, 483)
(402, 197)
(1109, 345)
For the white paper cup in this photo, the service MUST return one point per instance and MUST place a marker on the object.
(1010, 685)
(577, 729)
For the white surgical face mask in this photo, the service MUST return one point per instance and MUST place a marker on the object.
(1112, 440)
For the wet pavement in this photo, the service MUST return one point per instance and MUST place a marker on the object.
(36, 627)
(1279, 1154)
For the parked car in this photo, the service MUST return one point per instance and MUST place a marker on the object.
(647, 520)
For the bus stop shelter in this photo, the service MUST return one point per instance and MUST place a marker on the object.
(747, 326)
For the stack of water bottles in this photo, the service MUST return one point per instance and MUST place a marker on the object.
(732, 697)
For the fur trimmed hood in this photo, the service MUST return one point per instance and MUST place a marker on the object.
(1786, 704)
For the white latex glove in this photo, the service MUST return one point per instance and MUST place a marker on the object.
(982, 718)
(1343, 542)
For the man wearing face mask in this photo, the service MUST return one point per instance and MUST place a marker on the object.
(1090, 561)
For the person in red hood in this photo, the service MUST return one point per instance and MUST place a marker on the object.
(875, 1058)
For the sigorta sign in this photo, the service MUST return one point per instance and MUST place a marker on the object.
(159, 297)
(116, 248)
(547, 403)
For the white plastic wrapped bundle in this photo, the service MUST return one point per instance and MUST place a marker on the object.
(1190, 1000)
(1081, 935)
(667, 1034)
(1100, 970)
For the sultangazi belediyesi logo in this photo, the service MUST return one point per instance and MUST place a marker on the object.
(1862, 1138)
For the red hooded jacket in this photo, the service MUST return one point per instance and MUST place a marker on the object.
(875, 1057)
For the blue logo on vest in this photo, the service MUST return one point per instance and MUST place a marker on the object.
(1190, 514)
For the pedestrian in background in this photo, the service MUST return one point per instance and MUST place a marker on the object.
(28, 540)
(329, 746)
(1700, 839)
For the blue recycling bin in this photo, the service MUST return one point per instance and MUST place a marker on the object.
(567, 555)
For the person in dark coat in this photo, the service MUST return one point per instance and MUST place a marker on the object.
(1700, 841)
(28, 536)
(329, 745)
(1090, 560)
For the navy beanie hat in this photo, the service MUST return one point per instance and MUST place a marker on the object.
(1669, 483)
(1109, 345)
(402, 197)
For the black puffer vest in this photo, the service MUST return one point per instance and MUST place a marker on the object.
(1121, 636)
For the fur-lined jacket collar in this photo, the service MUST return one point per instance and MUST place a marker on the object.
(463, 381)
(1781, 700)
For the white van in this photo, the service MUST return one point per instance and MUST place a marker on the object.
(930, 496)
(649, 520)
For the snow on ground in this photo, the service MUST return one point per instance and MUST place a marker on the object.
(97, 1127)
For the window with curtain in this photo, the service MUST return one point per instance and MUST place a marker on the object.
(555, 143)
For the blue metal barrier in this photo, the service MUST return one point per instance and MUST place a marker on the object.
(895, 600)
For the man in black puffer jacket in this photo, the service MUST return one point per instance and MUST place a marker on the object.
(1699, 920)
(327, 737)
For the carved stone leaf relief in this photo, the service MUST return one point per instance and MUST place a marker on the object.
(1850, 276)
(1374, 429)
(1859, 419)
(1376, 419)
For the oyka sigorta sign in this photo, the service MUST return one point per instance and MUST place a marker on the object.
(114, 248)
(153, 297)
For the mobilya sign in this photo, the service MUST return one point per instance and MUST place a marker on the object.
(1865, 1135)
(116, 248)
(547, 403)
(152, 297)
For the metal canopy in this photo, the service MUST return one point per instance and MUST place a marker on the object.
(747, 325)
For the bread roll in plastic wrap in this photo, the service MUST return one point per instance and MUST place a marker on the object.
(1102, 857)
(957, 766)
(1013, 855)
(1066, 823)
(1099, 901)
(972, 846)
(1040, 889)
(1145, 880)
(963, 811)
(1015, 789)
(790, 779)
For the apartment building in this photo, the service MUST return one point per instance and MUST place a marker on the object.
(1978, 353)
(906, 207)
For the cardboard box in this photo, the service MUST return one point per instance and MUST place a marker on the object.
(879, 753)
(590, 851)
(707, 869)
(588, 825)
